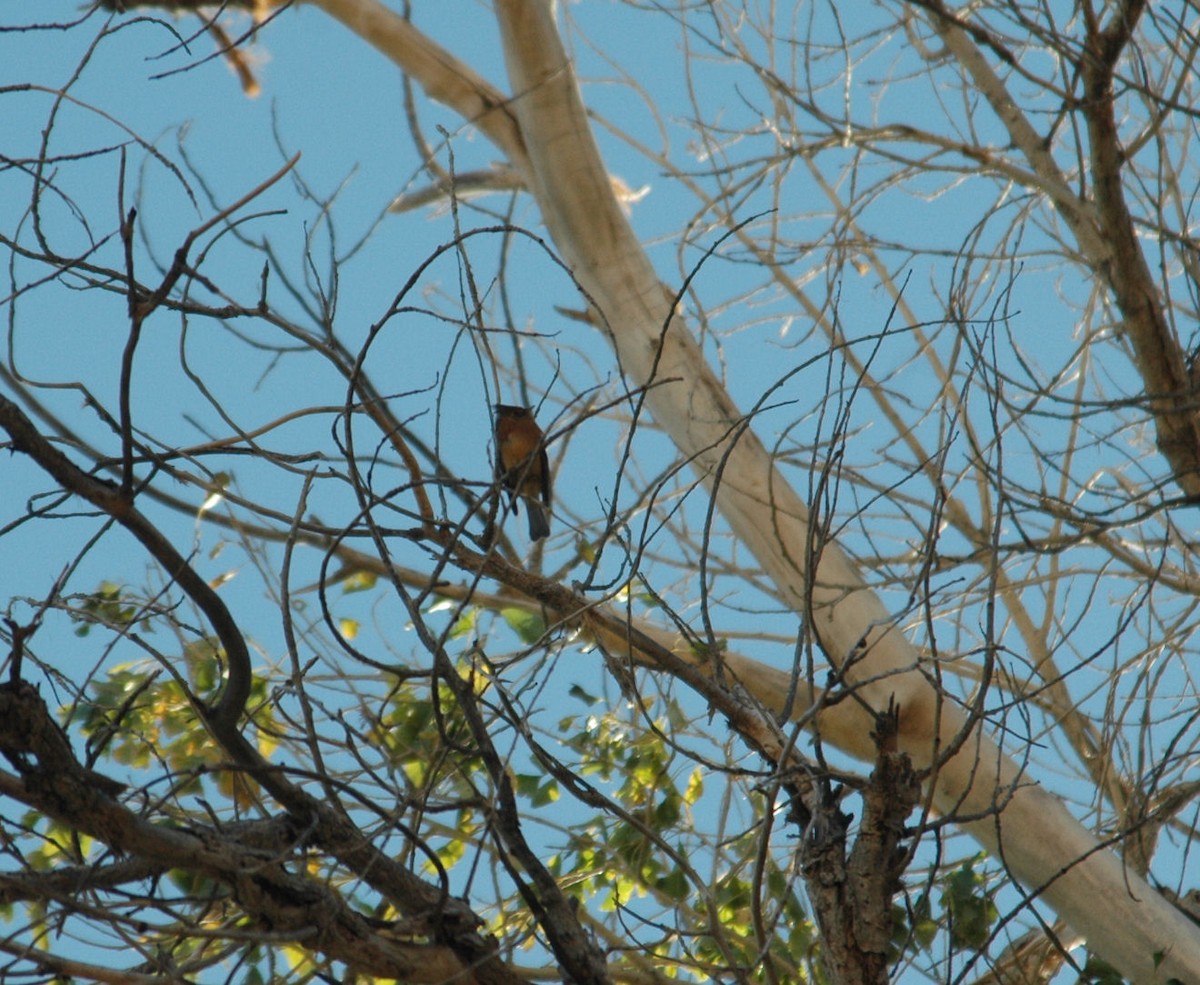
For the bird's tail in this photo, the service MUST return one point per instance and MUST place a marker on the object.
(539, 526)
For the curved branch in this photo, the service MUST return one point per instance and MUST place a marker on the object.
(455, 922)
(223, 716)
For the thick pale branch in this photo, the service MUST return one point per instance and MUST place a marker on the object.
(854, 628)
(443, 77)
(1032, 832)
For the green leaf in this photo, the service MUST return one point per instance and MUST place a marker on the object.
(707, 651)
(204, 660)
(969, 907)
(585, 696)
(674, 885)
(1099, 972)
(106, 605)
(530, 626)
(667, 813)
(360, 581)
(527, 784)
(465, 625)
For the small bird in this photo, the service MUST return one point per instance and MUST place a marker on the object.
(522, 464)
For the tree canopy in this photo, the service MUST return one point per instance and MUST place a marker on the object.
(862, 346)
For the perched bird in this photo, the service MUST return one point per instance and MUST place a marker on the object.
(522, 464)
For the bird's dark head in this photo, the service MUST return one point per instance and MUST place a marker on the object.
(510, 410)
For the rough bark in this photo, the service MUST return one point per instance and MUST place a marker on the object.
(852, 892)
(247, 860)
